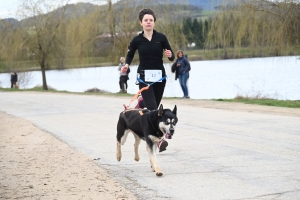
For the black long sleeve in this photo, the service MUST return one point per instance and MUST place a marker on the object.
(150, 52)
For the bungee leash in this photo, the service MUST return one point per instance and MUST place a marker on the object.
(161, 79)
(141, 90)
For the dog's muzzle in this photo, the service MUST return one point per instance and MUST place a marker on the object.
(170, 134)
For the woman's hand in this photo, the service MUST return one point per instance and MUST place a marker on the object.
(124, 68)
(168, 53)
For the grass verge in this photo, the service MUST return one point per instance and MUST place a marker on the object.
(265, 102)
(51, 90)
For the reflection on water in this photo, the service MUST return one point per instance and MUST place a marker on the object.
(274, 77)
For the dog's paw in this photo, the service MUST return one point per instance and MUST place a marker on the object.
(159, 173)
(119, 157)
(137, 158)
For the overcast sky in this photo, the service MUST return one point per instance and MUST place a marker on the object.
(8, 8)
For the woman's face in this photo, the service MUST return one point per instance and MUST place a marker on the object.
(147, 22)
(180, 54)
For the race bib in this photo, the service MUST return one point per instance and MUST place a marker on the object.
(153, 75)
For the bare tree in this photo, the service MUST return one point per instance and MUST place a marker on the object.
(44, 20)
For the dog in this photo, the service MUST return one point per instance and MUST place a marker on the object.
(150, 126)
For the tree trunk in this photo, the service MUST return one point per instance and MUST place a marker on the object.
(43, 68)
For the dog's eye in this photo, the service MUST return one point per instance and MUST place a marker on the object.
(167, 123)
(174, 123)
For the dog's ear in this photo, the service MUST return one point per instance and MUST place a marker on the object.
(175, 110)
(160, 110)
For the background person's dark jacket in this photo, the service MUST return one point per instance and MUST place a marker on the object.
(174, 67)
(14, 78)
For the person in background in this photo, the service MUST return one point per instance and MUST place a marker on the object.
(13, 79)
(151, 46)
(123, 76)
(182, 67)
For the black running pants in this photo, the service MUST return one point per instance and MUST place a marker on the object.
(153, 95)
(123, 80)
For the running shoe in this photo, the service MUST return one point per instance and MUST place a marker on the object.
(140, 99)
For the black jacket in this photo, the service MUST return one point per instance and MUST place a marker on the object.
(14, 78)
(150, 52)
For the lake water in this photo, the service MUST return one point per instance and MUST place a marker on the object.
(273, 77)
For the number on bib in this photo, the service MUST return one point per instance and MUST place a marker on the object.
(153, 75)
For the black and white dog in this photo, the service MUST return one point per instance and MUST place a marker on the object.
(150, 126)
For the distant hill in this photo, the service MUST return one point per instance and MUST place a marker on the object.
(72, 11)
(81, 9)
(205, 4)
(8, 22)
(11, 20)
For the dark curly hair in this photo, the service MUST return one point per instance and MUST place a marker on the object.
(146, 11)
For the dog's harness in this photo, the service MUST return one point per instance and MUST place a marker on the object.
(127, 110)
(141, 112)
